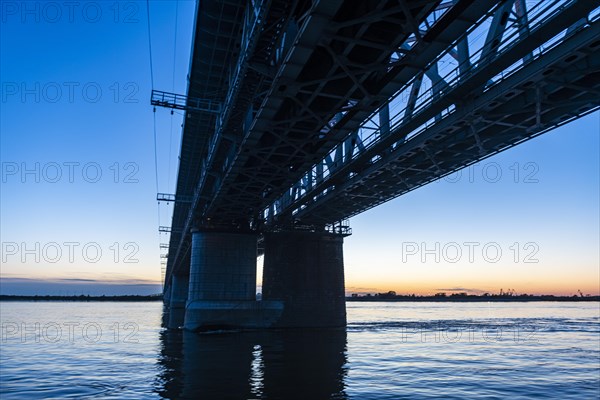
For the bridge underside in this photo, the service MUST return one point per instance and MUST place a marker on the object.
(302, 114)
(551, 91)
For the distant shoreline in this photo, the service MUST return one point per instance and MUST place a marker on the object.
(362, 298)
(126, 298)
(469, 298)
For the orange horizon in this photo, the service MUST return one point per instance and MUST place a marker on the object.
(430, 292)
(427, 288)
(352, 286)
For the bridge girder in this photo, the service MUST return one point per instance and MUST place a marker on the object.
(505, 116)
(312, 106)
(460, 99)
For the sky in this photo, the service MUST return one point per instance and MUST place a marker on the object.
(79, 179)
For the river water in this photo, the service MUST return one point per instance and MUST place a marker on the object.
(547, 350)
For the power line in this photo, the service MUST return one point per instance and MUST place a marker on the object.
(152, 83)
(173, 90)
(150, 42)
(175, 42)
(153, 115)
(155, 151)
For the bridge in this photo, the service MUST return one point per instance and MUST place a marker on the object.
(301, 114)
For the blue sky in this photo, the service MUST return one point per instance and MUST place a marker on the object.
(75, 100)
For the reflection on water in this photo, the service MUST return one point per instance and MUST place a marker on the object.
(263, 364)
(389, 351)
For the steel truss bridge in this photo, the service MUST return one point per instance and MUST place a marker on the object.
(305, 113)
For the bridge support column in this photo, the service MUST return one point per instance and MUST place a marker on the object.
(178, 297)
(166, 305)
(167, 295)
(305, 271)
(223, 283)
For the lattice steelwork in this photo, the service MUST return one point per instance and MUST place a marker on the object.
(329, 108)
(515, 86)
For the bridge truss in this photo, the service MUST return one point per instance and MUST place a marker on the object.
(329, 108)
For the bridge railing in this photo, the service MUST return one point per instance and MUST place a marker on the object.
(341, 228)
(313, 185)
(183, 102)
(253, 19)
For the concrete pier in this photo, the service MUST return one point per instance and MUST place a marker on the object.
(305, 271)
(222, 292)
(166, 306)
(178, 298)
(303, 282)
(167, 295)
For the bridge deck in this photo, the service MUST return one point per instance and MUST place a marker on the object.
(306, 90)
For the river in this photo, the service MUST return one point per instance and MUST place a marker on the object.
(119, 350)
